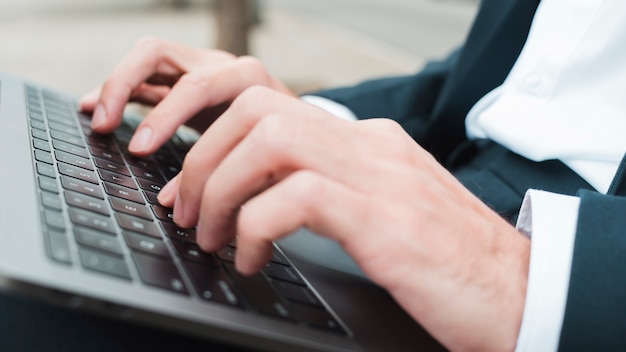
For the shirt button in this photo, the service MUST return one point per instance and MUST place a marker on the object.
(534, 84)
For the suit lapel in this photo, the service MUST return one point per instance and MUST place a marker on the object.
(493, 45)
(618, 186)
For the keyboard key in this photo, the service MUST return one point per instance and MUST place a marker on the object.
(58, 247)
(297, 293)
(106, 154)
(191, 252)
(227, 254)
(86, 202)
(43, 157)
(68, 138)
(51, 201)
(54, 219)
(102, 141)
(65, 128)
(213, 285)
(130, 208)
(176, 232)
(123, 192)
(148, 175)
(170, 171)
(150, 185)
(279, 258)
(159, 272)
(138, 225)
(98, 240)
(91, 220)
(104, 263)
(46, 170)
(62, 118)
(258, 292)
(152, 197)
(48, 184)
(111, 166)
(117, 179)
(74, 160)
(36, 115)
(285, 273)
(141, 162)
(83, 187)
(39, 134)
(79, 173)
(70, 148)
(41, 145)
(163, 213)
(38, 125)
(317, 317)
(146, 244)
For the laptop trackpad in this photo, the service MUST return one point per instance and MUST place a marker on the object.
(307, 246)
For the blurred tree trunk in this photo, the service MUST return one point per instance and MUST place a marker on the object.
(233, 18)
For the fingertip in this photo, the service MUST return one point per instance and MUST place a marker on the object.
(250, 259)
(142, 141)
(99, 118)
(168, 193)
(88, 101)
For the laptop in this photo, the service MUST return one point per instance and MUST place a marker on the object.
(80, 227)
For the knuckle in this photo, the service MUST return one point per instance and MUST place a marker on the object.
(256, 93)
(192, 160)
(307, 187)
(270, 133)
(253, 66)
(386, 125)
(199, 80)
(214, 54)
(251, 101)
(250, 61)
(149, 43)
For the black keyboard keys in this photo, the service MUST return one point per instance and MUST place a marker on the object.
(104, 263)
(258, 292)
(213, 285)
(159, 272)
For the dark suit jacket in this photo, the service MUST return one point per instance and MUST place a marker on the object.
(432, 106)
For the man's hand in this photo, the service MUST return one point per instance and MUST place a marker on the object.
(271, 164)
(180, 82)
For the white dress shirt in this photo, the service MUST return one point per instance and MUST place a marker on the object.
(563, 99)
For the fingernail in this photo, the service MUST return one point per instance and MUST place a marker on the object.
(141, 140)
(166, 196)
(99, 116)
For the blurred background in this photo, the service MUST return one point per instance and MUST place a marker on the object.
(72, 45)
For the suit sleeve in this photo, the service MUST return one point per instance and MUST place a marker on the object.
(596, 301)
(409, 100)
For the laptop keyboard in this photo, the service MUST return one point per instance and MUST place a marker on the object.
(100, 211)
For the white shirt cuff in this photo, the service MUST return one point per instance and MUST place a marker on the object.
(550, 219)
(330, 106)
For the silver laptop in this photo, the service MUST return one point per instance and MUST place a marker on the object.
(80, 226)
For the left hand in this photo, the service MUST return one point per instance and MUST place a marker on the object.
(271, 164)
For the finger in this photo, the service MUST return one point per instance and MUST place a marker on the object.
(266, 155)
(311, 200)
(150, 95)
(221, 138)
(147, 94)
(193, 92)
(88, 101)
(148, 57)
(167, 195)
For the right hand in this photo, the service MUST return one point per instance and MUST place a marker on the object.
(180, 82)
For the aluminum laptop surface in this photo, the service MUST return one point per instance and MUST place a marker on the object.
(78, 230)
